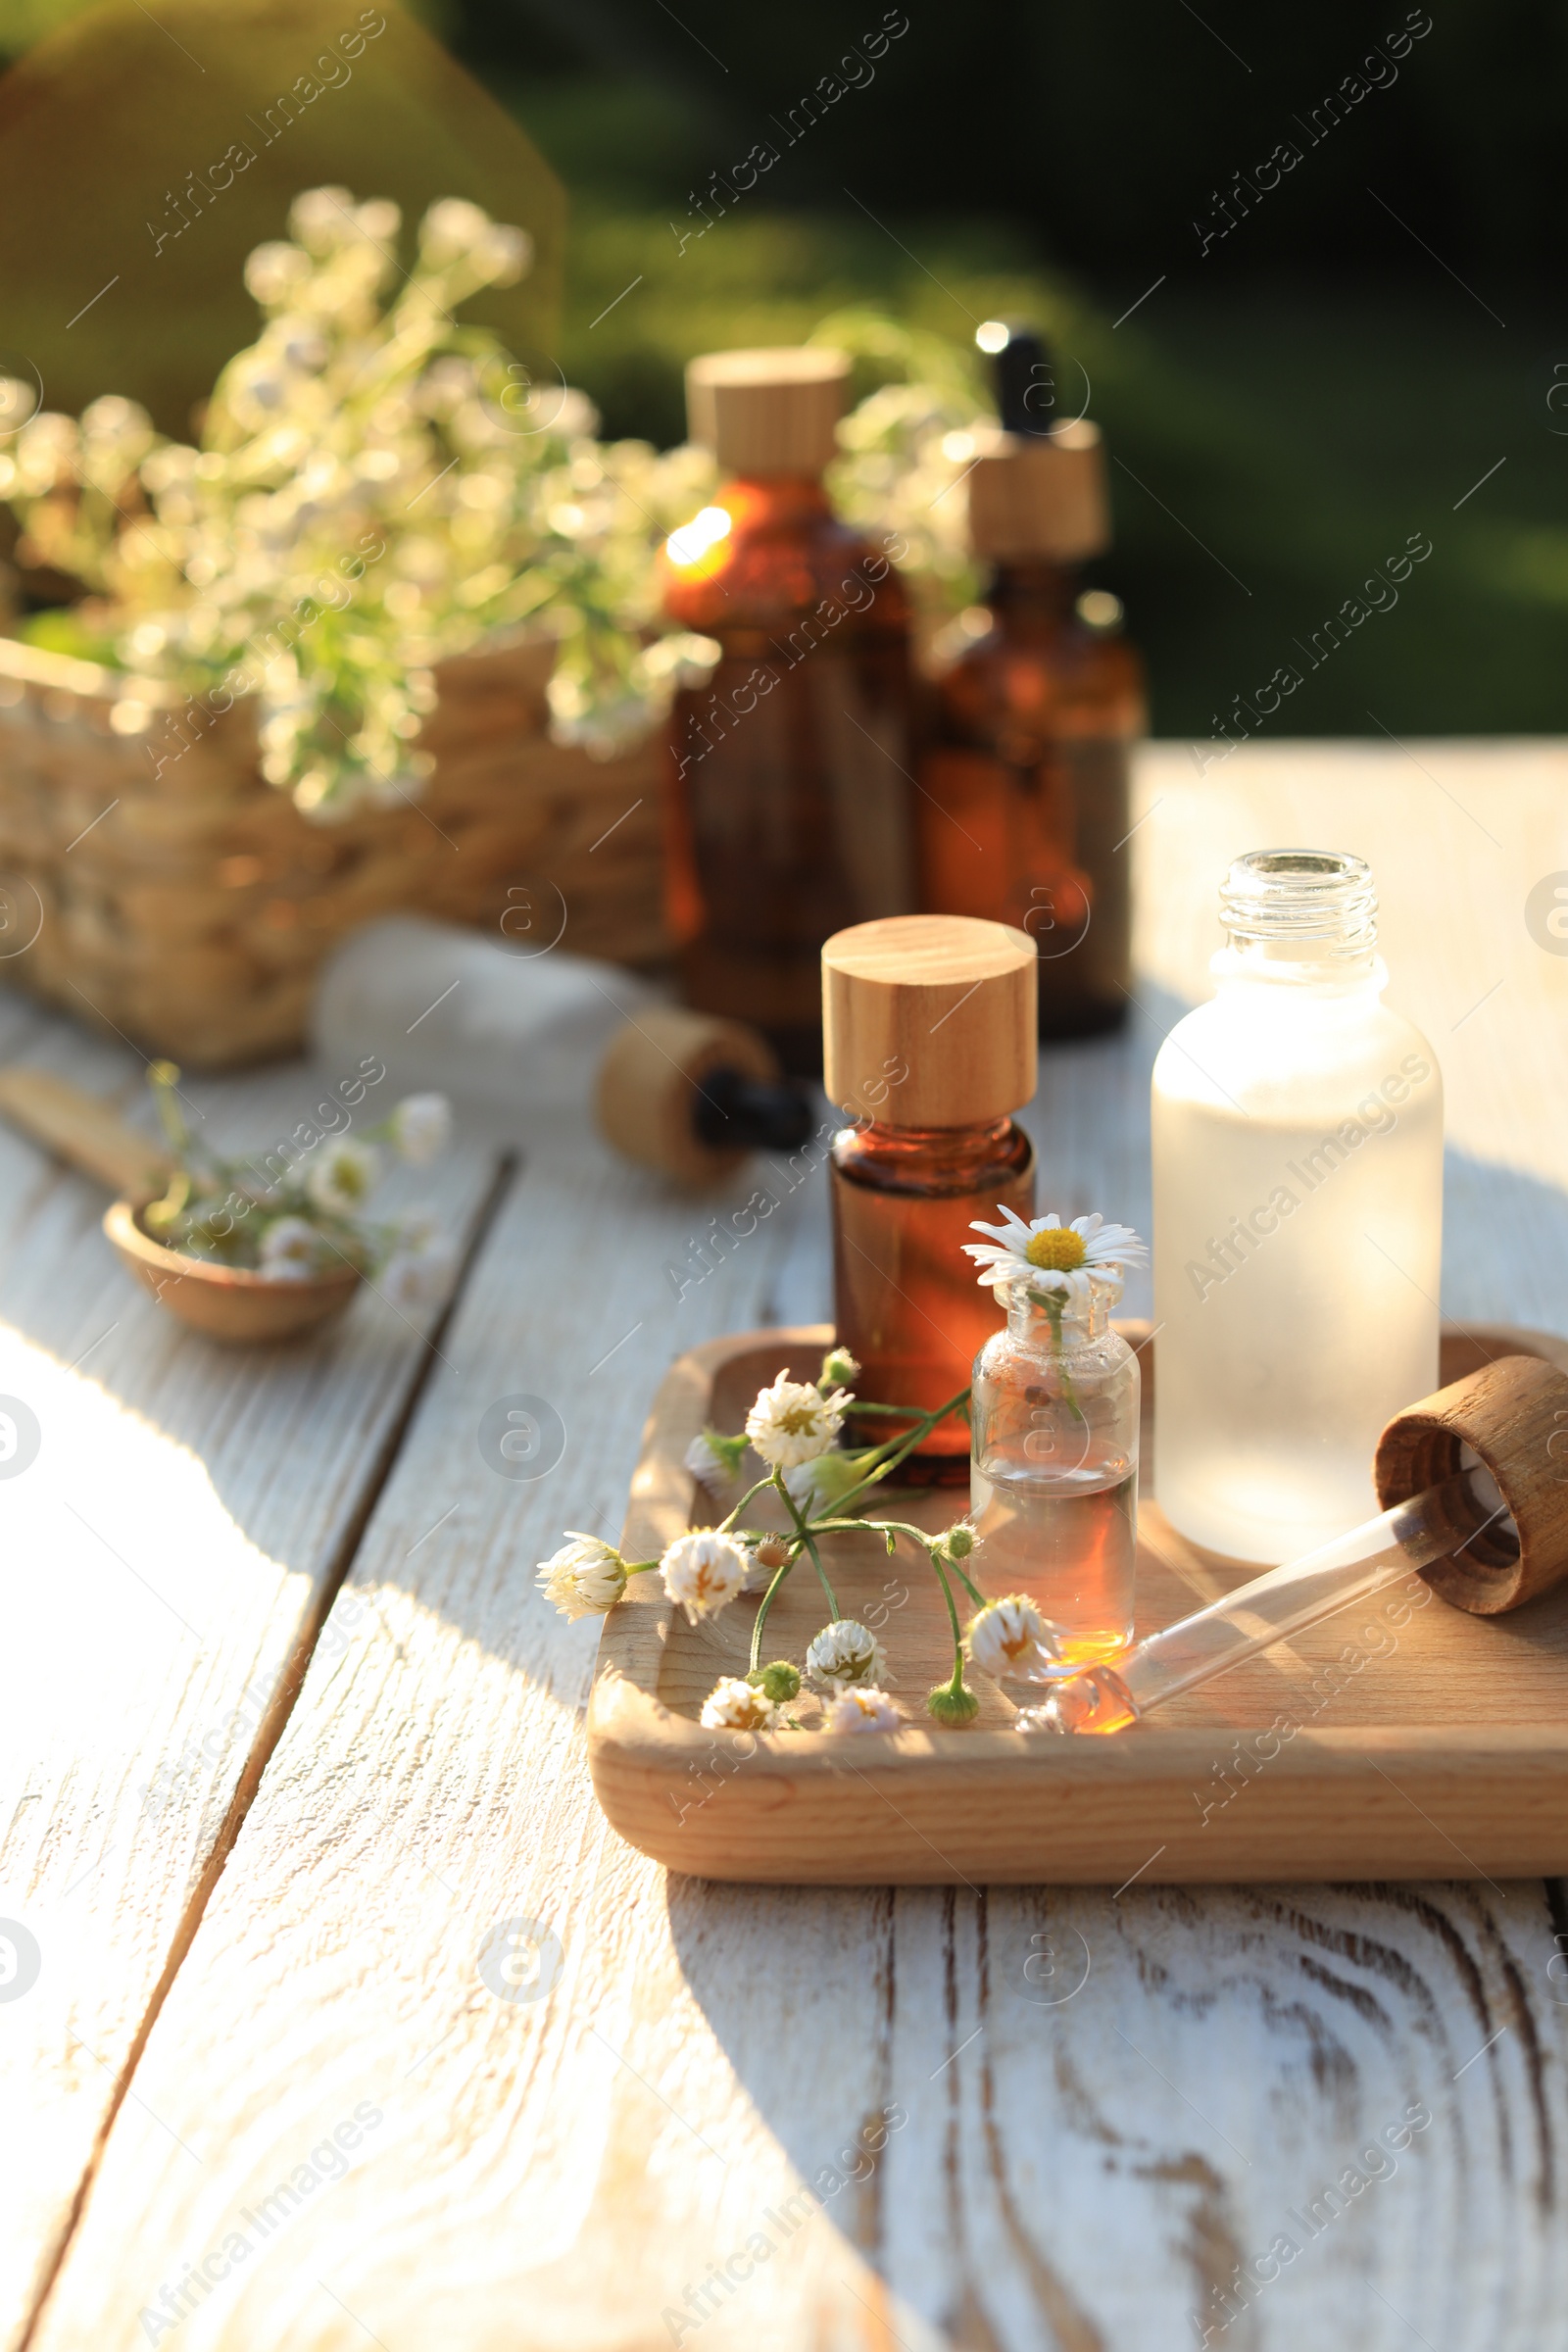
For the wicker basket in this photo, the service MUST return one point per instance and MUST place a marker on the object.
(187, 905)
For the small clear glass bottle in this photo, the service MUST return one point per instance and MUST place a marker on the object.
(1297, 1166)
(1054, 1471)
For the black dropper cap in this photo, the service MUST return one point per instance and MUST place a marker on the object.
(1024, 376)
(752, 1114)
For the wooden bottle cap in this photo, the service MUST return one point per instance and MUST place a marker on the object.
(1514, 1414)
(1040, 494)
(767, 411)
(650, 1082)
(930, 1021)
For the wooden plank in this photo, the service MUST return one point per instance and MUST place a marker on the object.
(1102, 2101)
(167, 1553)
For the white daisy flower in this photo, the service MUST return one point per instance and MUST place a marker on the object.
(863, 1709)
(451, 227)
(291, 1250)
(1052, 1256)
(1007, 1639)
(819, 1486)
(273, 272)
(418, 1273)
(704, 1570)
(584, 1578)
(422, 1127)
(502, 254)
(342, 1176)
(845, 1652)
(736, 1705)
(793, 1421)
(715, 1461)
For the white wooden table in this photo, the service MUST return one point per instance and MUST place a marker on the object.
(289, 1735)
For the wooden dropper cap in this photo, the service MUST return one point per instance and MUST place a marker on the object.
(930, 1021)
(649, 1089)
(1514, 1414)
(767, 411)
(1040, 496)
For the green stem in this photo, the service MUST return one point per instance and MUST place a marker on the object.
(768, 1602)
(897, 1448)
(874, 1527)
(973, 1590)
(901, 1528)
(766, 1479)
(1054, 1305)
(808, 1539)
(957, 1683)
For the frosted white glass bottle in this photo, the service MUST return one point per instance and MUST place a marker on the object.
(1297, 1150)
(502, 1028)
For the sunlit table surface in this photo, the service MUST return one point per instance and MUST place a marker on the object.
(332, 2014)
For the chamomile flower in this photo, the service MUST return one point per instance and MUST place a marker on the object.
(422, 1127)
(736, 1705)
(418, 1273)
(778, 1681)
(1007, 1639)
(585, 1578)
(713, 1460)
(846, 1652)
(703, 1571)
(766, 1557)
(1049, 1256)
(793, 1421)
(863, 1709)
(820, 1485)
(343, 1175)
(450, 229)
(290, 1251)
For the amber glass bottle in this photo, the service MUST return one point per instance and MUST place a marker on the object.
(789, 804)
(929, 1023)
(1024, 814)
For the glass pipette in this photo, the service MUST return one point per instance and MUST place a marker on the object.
(1410, 1536)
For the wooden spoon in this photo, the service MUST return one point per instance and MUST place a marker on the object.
(232, 1304)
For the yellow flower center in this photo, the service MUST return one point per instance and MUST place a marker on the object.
(799, 1420)
(1057, 1250)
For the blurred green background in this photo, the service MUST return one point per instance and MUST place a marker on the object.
(1338, 372)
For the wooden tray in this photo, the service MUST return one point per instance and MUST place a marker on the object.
(1442, 1753)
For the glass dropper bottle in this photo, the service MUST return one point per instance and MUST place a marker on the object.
(789, 804)
(1486, 1542)
(929, 1022)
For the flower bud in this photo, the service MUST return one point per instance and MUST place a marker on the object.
(780, 1682)
(839, 1369)
(953, 1706)
(771, 1553)
(958, 1542)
